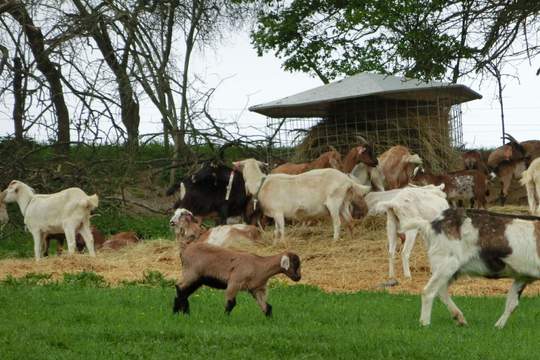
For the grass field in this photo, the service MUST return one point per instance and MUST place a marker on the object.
(83, 319)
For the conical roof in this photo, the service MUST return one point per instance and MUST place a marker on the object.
(318, 101)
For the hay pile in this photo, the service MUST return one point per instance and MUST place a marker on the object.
(347, 265)
(424, 127)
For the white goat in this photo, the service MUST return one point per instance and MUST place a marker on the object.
(400, 206)
(67, 211)
(530, 178)
(311, 194)
(478, 243)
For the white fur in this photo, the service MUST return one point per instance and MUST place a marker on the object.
(448, 256)
(401, 205)
(67, 211)
(530, 178)
(285, 262)
(312, 194)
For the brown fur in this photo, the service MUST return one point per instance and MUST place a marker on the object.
(450, 223)
(492, 240)
(451, 184)
(394, 167)
(473, 160)
(361, 153)
(99, 239)
(120, 240)
(329, 159)
(234, 271)
(537, 235)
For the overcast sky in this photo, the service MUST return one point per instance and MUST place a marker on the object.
(249, 80)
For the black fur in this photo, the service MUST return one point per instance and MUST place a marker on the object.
(206, 191)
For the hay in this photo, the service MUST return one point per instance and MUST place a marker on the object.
(344, 266)
(427, 128)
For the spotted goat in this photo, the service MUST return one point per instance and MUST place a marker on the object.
(478, 243)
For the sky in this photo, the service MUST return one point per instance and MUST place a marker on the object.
(245, 79)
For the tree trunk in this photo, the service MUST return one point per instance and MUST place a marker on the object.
(128, 103)
(19, 99)
(36, 41)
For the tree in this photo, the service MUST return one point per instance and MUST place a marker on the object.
(426, 39)
(36, 42)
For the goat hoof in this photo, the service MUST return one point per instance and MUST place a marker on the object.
(389, 283)
(268, 312)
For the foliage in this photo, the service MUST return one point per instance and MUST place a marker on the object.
(77, 321)
(423, 39)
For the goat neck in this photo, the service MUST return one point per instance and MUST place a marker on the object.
(24, 198)
(252, 176)
(271, 265)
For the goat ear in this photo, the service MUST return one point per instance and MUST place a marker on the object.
(285, 262)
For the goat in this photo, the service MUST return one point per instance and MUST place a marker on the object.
(397, 165)
(214, 188)
(329, 159)
(530, 178)
(463, 185)
(510, 160)
(225, 235)
(472, 160)
(400, 205)
(359, 154)
(478, 243)
(4, 217)
(60, 238)
(234, 271)
(368, 176)
(312, 194)
(120, 240)
(67, 211)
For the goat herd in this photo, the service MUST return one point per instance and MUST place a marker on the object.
(458, 241)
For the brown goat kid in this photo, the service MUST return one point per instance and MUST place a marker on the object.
(359, 154)
(233, 271)
(120, 240)
(329, 159)
(99, 239)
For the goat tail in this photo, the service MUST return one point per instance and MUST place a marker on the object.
(423, 226)
(92, 202)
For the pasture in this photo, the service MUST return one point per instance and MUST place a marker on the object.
(83, 319)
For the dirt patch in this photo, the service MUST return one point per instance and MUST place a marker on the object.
(347, 265)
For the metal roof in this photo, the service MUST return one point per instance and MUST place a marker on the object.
(318, 101)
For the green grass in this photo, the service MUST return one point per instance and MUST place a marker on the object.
(82, 319)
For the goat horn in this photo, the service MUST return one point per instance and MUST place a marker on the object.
(510, 137)
(362, 139)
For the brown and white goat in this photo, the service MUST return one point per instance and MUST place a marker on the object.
(478, 243)
(329, 159)
(67, 211)
(530, 178)
(234, 271)
(463, 185)
(313, 194)
(397, 165)
(224, 236)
